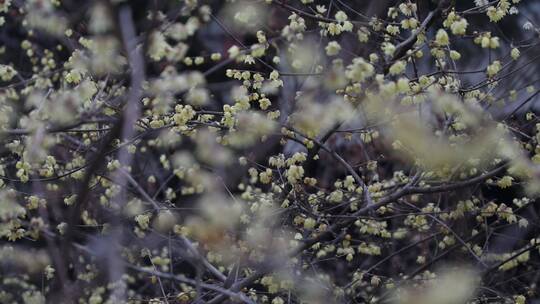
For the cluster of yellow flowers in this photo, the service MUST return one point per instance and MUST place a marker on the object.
(245, 139)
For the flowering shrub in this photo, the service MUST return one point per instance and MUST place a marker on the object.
(312, 151)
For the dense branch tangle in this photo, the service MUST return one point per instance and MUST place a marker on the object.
(268, 151)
